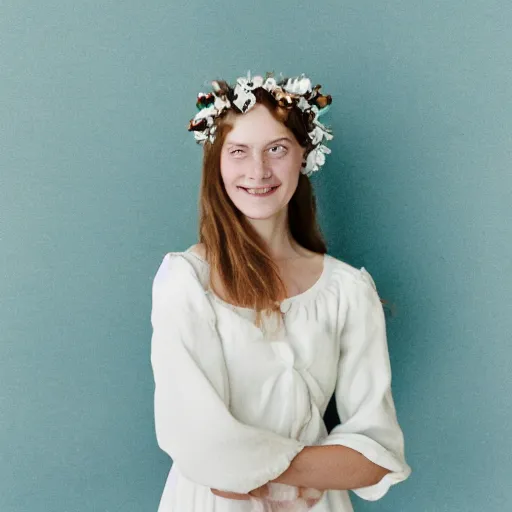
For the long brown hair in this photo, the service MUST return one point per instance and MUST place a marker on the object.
(235, 252)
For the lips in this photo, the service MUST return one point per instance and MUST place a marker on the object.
(260, 195)
(266, 194)
(259, 188)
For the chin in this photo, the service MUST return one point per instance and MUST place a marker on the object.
(258, 217)
(258, 213)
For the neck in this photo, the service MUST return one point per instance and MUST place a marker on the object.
(276, 234)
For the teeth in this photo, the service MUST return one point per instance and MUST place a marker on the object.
(260, 191)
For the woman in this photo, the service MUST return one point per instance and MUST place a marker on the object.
(256, 327)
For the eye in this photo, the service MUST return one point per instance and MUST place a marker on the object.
(278, 146)
(234, 152)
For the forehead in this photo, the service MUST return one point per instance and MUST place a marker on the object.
(257, 126)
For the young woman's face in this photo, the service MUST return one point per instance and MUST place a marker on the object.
(260, 152)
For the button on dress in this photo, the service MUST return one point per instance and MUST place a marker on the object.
(234, 406)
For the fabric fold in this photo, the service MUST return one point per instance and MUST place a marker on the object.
(363, 393)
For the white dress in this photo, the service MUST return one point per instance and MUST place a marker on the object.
(233, 409)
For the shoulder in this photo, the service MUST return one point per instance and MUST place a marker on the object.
(356, 293)
(179, 282)
(177, 291)
(350, 277)
(199, 250)
(175, 272)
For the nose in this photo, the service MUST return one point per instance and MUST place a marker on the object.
(259, 168)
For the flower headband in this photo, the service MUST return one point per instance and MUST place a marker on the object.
(288, 92)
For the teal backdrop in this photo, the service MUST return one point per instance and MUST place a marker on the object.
(99, 178)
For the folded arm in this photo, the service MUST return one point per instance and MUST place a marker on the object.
(331, 467)
(365, 452)
(192, 419)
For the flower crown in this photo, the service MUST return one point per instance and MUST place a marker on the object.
(288, 92)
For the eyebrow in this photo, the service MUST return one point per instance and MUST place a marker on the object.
(234, 143)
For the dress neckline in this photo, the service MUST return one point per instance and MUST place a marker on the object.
(285, 303)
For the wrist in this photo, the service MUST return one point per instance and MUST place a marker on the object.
(297, 471)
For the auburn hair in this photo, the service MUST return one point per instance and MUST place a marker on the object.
(235, 252)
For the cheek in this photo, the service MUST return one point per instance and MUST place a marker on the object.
(228, 171)
(289, 163)
(230, 177)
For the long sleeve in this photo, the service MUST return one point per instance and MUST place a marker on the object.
(193, 423)
(363, 391)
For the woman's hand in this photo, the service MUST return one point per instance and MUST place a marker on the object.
(231, 495)
(310, 496)
(259, 492)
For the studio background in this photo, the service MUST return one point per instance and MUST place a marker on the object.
(99, 179)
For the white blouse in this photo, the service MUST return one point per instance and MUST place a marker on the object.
(232, 409)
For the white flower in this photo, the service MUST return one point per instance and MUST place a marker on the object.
(270, 84)
(316, 135)
(257, 81)
(327, 135)
(241, 82)
(206, 112)
(320, 129)
(319, 124)
(245, 98)
(299, 85)
(221, 104)
(303, 104)
(200, 136)
(316, 158)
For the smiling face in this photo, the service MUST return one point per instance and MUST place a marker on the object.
(260, 152)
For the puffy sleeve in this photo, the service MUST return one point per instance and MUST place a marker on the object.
(193, 423)
(363, 396)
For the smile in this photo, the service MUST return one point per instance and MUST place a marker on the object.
(262, 192)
